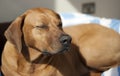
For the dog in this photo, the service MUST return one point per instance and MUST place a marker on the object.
(98, 45)
(37, 46)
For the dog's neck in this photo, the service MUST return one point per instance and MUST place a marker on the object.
(34, 59)
(33, 54)
(36, 56)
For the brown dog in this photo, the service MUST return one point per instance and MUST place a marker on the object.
(36, 46)
(98, 45)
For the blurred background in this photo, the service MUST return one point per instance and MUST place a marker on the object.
(10, 9)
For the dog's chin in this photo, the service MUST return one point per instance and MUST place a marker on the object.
(60, 51)
(64, 50)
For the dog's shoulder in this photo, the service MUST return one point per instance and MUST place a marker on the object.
(9, 52)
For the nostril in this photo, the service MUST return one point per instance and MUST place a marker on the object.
(65, 40)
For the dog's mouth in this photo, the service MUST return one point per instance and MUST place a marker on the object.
(61, 51)
(67, 48)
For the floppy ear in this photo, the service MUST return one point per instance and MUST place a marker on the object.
(14, 32)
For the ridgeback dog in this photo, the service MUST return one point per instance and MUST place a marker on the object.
(37, 46)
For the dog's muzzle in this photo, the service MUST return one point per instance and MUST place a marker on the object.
(65, 41)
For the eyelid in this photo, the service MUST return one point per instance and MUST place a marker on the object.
(41, 26)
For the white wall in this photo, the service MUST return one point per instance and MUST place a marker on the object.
(65, 6)
(104, 8)
(10, 9)
(107, 8)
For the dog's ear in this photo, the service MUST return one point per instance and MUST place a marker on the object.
(14, 32)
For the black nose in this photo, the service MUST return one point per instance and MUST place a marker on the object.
(65, 40)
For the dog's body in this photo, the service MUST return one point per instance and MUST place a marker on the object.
(37, 46)
(99, 46)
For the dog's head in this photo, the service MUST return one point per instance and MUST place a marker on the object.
(41, 30)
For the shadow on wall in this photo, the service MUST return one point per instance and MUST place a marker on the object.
(10, 9)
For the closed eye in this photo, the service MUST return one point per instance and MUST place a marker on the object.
(42, 26)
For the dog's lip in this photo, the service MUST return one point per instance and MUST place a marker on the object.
(63, 50)
(46, 53)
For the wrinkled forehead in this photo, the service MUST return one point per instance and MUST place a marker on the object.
(38, 16)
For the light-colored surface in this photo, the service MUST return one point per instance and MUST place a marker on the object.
(10, 9)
